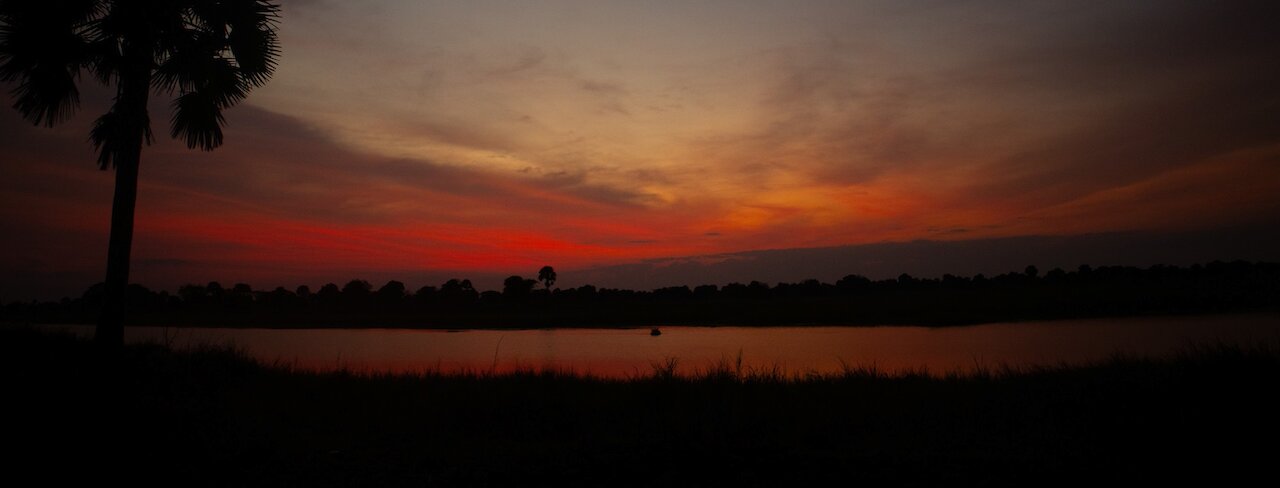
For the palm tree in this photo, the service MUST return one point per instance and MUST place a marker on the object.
(208, 53)
(547, 275)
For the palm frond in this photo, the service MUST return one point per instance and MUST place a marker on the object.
(252, 38)
(197, 117)
(197, 65)
(227, 48)
(210, 53)
(43, 48)
(113, 133)
(47, 95)
(107, 138)
(108, 60)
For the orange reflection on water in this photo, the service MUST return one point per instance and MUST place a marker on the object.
(620, 353)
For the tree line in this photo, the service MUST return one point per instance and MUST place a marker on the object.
(854, 299)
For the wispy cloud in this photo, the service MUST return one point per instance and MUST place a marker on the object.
(494, 135)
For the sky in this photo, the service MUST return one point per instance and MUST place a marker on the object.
(622, 141)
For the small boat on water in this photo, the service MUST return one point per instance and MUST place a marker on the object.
(655, 332)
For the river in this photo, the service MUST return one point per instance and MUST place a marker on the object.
(793, 350)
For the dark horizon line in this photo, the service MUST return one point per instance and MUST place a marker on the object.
(1030, 271)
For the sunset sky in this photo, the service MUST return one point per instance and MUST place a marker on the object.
(424, 140)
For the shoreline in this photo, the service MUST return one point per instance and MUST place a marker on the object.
(395, 325)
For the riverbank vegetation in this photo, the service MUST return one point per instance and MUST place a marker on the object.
(212, 417)
(853, 300)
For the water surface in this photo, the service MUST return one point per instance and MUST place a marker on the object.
(629, 352)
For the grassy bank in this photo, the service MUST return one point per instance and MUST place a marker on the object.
(212, 417)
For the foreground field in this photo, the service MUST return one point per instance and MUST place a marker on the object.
(212, 417)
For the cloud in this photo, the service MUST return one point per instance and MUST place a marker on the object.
(281, 164)
(932, 258)
(282, 198)
(443, 136)
(1020, 110)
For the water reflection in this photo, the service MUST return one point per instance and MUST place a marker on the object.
(629, 352)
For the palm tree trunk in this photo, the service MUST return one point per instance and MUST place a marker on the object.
(110, 330)
(131, 104)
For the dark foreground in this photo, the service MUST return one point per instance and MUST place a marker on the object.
(214, 418)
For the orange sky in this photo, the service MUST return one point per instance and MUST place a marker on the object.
(489, 138)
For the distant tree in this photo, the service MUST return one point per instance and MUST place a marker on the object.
(215, 290)
(952, 281)
(811, 287)
(393, 287)
(392, 293)
(357, 288)
(208, 53)
(1055, 275)
(357, 294)
(425, 294)
(141, 298)
(757, 290)
(329, 294)
(303, 292)
(517, 287)
(854, 282)
(673, 293)
(1031, 271)
(458, 292)
(734, 290)
(192, 294)
(241, 296)
(705, 291)
(280, 298)
(547, 275)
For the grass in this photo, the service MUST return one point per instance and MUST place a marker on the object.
(213, 417)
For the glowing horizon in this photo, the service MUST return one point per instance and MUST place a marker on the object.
(495, 137)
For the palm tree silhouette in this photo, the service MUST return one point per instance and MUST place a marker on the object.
(547, 275)
(209, 53)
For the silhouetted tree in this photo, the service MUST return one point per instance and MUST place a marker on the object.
(216, 295)
(241, 296)
(906, 280)
(209, 53)
(356, 293)
(673, 293)
(705, 291)
(357, 288)
(192, 294)
(426, 294)
(490, 297)
(329, 294)
(547, 275)
(586, 292)
(280, 298)
(1055, 275)
(458, 292)
(854, 283)
(517, 287)
(391, 294)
